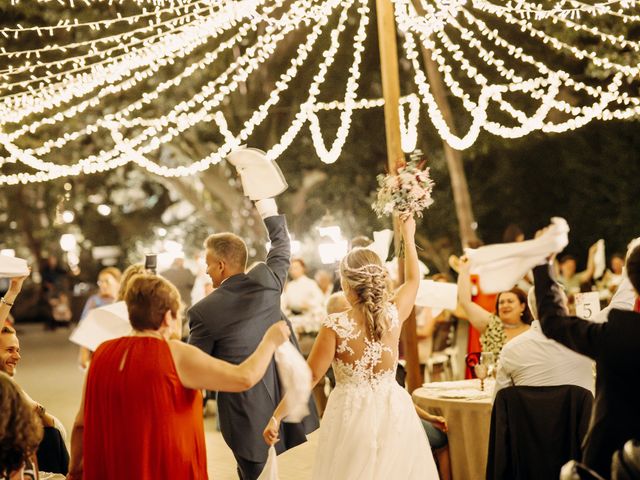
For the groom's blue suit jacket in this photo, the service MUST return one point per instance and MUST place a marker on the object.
(229, 324)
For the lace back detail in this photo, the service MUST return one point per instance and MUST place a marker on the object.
(359, 359)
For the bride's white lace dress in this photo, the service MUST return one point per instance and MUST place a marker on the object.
(370, 429)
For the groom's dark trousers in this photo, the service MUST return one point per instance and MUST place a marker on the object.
(229, 324)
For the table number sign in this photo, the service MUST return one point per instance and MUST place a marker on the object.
(587, 304)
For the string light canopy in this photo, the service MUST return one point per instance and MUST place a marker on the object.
(101, 93)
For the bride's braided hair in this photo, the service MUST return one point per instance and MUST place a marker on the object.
(362, 271)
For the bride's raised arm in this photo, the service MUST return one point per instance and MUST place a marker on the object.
(406, 294)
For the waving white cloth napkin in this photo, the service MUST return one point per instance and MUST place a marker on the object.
(102, 324)
(261, 178)
(599, 259)
(13, 267)
(501, 266)
(270, 470)
(438, 295)
(295, 377)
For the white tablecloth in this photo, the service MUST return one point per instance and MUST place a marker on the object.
(468, 413)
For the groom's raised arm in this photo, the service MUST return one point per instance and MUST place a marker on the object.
(279, 256)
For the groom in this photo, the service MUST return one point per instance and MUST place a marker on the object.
(229, 324)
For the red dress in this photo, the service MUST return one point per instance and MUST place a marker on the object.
(139, 421)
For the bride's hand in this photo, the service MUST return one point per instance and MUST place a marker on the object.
(408, 227)
(271, 432)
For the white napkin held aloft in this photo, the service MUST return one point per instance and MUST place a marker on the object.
(295, 377)
(102, 324)
(261, 178)
(437, 295)
(599, 260)
(13, 267)
(500, 266)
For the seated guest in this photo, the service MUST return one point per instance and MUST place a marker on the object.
(613, 276)
(615, 347)
(436, 429)
(141, 413)
(533, 360)
(511, 317)
(9, 358)
(570, 278)
(52, 452)
(20, 433)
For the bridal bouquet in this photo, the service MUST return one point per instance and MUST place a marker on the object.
(407, 193)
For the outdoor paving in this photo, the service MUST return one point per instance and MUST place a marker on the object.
(49, 372)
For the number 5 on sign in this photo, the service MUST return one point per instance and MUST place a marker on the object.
(587, 304)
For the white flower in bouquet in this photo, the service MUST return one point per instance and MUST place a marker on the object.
(406, 193)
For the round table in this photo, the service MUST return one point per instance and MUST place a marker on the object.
(468, 413)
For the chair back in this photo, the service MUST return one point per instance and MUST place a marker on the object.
(52, 453)
(626, 462)
(536, 430)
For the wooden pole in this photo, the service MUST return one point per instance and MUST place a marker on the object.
(459, 186)
(391, 90)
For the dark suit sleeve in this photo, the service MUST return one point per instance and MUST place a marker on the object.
(279, 256)
(199, 334)
(581, 336)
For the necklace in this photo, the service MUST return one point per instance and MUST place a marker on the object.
(510, 326)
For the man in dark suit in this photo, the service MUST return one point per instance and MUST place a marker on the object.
(615, 346)
(229, 324)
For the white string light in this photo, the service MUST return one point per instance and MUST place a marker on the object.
(131, 150)
(82, 60)
(111, 64)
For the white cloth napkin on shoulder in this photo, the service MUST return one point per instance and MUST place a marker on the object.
(500, 266)
(295, 377)
(13, 267)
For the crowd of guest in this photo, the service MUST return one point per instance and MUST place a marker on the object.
(536, 339)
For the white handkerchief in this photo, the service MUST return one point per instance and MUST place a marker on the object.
(381, 242)
(13, 267)
(270, 470)
(102, 324)
(261, 178)
(295, 377)
(599, 259)
(437, 295)
(501, 266)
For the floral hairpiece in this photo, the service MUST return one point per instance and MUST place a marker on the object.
(369, 268)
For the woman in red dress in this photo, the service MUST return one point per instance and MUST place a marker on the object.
(141, 412)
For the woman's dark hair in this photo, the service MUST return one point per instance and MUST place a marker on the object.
(20, 429)
(527, 317)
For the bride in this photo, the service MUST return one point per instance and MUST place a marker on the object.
(370, 429)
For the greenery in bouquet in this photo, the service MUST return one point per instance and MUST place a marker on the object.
(406, 193)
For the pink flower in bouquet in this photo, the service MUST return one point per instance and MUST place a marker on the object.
(407, 193)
